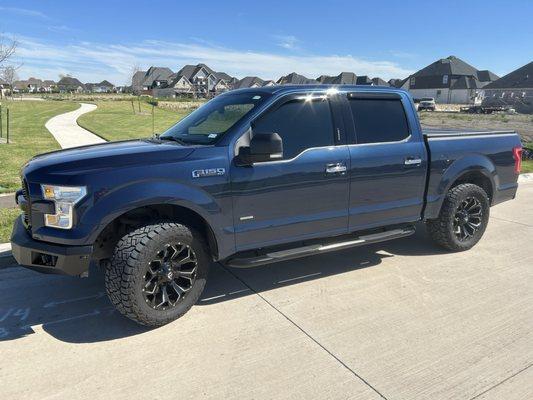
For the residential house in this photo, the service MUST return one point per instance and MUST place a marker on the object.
(395, 82)
(295, 79)
(206, 82)
(153, 78)
(449, 80)
(344, 78)
(379, 82)
(102, 87)
(364, 80)
(68, 84)
(269, 83)
(514, 89)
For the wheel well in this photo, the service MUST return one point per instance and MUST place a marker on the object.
(111, 234)
(476, 178)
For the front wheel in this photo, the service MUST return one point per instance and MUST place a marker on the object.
(463, 218)
(157, 273)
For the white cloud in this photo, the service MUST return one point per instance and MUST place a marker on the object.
(24, 11)
(95, 61)
(288, 42)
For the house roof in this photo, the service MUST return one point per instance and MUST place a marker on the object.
(249, 81)
(156, 74)
(294, 79)
(69, 81)
(106, 83)
(344, 78)
(456, 69)
(48, 82)
(447, 66)
(519, 78)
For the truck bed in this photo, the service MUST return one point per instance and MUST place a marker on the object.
(437, 132)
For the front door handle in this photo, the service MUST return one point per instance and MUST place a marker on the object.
(337, 168)
(412, 161)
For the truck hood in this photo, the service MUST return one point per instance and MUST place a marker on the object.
(87, 159)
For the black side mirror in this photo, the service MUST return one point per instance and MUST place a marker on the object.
(263, 147)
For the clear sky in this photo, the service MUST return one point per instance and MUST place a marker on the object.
(95, 40)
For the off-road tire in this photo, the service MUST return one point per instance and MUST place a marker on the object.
(124, 277)
(441, 230)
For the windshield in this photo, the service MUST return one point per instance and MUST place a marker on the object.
(208, 123)
(427, 99)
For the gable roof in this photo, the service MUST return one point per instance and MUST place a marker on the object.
(294, 79)
(519, 78)
(487, 76)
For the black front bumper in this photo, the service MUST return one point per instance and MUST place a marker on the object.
(48, 257)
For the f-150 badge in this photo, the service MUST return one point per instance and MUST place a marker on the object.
(202, 173)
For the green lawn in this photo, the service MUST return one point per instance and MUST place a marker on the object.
(116, 120)
(7, 216)
(28, 136)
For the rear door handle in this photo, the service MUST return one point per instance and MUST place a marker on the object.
(412, 161)
(337, 168)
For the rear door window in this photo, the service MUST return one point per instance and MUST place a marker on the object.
(379, 120)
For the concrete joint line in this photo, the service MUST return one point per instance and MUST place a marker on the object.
(306, 334)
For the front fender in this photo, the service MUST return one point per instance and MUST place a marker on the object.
(108, 206)
(442, 178)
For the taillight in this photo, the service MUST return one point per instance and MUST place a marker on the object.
(517, 155)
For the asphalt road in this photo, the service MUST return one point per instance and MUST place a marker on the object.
(399, 320)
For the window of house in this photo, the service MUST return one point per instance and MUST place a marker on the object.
(301, 125)
(445, 79)
(379, 120)
(413, 81)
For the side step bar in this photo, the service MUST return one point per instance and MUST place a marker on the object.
(283, 255)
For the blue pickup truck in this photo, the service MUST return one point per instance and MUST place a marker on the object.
(256, 176)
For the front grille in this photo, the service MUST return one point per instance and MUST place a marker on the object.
(27, 214)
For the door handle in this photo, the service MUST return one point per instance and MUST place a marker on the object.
(337, 168)
(412, 161)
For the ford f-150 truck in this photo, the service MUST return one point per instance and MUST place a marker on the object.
(256, 176)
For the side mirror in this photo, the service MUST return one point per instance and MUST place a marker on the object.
(263, 147)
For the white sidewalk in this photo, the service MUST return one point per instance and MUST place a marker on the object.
(68, 133)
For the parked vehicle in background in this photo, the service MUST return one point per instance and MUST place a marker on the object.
(256, 176)
(427, 104)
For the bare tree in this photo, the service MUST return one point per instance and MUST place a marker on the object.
(9, 75)
(7, 49)
(134, 69)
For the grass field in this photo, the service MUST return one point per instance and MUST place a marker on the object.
(116, 120)
(28, 136)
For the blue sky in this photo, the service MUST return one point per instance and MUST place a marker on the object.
(98, 40)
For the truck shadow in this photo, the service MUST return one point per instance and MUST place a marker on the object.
(77, 310)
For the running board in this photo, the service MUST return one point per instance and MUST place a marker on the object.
(283, 255)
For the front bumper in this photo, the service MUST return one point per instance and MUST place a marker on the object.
(48, 257)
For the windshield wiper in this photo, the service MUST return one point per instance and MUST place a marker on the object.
(172, 138)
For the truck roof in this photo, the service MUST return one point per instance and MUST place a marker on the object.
(304, 88)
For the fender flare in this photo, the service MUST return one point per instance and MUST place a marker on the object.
(475, 163)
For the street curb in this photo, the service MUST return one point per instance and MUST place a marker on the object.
(7, 200)
(6, 257)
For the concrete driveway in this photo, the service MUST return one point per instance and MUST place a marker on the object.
(399, 320)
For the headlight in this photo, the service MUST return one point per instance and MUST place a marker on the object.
(64, 197)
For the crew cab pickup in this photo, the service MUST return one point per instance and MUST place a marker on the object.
(252, 177)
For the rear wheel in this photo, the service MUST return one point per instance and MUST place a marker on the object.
(157, 273)
(463, 218)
